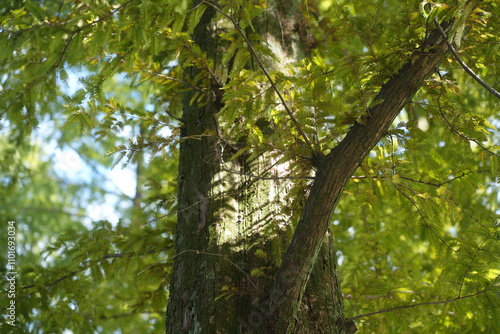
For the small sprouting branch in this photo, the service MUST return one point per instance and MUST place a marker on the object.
(266, 73)
(146, 223)
(397, 308)
(169, 78)
(364, 97)
(463, 64)
(269, 178)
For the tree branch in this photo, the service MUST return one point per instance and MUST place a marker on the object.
(392, 309)
(463, 64)
(450, 177)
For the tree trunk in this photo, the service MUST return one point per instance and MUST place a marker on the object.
(191, 306)
(222, 214)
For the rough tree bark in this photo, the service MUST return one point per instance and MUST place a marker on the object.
(192, 288)
(206, 262)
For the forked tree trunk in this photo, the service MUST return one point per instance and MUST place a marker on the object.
(222, 214)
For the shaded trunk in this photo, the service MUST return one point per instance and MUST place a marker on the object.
(192, 288)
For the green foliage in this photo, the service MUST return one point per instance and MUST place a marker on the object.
(417, 228)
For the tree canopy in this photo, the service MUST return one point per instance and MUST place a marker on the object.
(416, 228)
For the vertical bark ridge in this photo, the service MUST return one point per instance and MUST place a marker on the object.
(192, 310)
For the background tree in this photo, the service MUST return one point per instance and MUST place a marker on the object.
(272, 111)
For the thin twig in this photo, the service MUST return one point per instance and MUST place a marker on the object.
(392, 309)
(169, 78)
(268, 178)
(463, 64)
(468, 214)
(91, 262)
(420, 212)
(224, 257)
(468, 269)
(451, 178)
(144, 224)
(461, 134)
